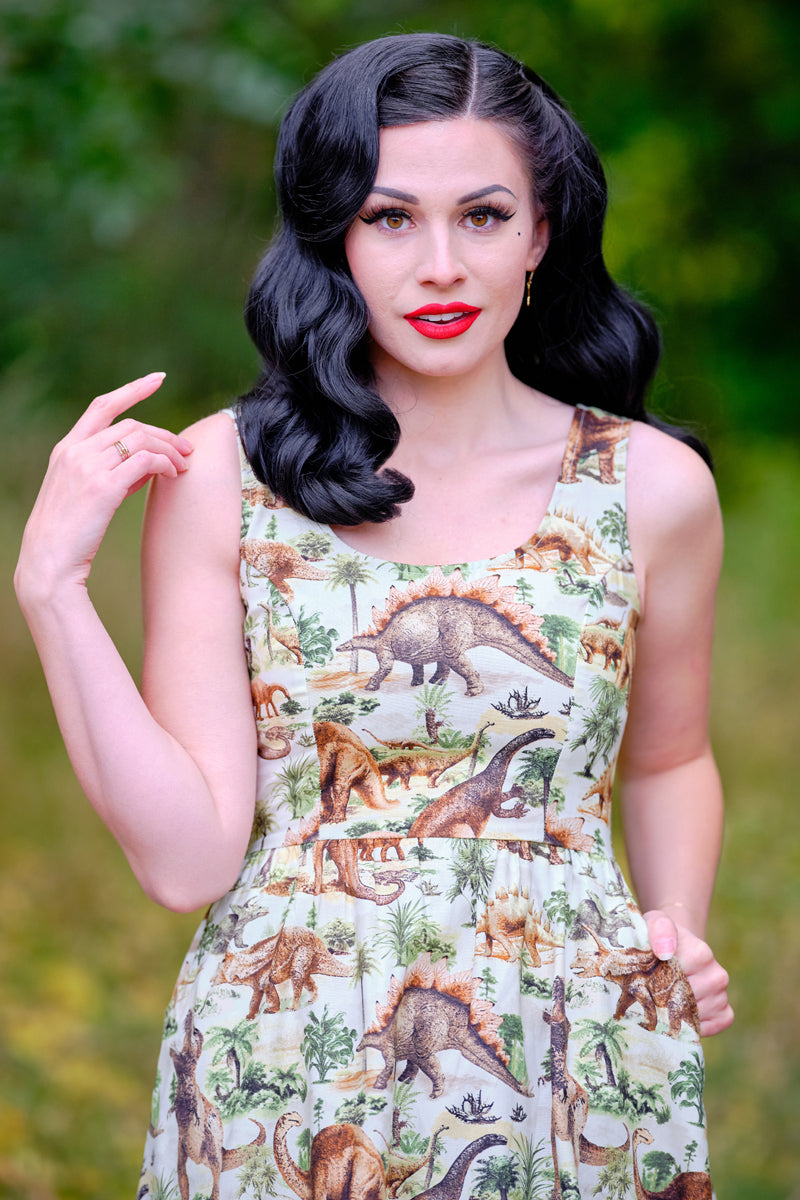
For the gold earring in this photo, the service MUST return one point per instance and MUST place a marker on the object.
(528, 289)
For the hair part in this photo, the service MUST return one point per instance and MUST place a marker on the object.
(314, 428)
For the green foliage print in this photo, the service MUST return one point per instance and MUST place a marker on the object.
(562, 634)
(355, 1109)
(344, 708)
(614, 527)
(327, 1043)
(686, 1085)
(316, 642)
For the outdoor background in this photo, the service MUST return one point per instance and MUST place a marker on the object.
(136, 197)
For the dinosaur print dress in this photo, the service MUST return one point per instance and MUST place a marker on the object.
(431, 979)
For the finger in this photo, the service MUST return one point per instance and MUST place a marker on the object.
(135, 472)
(662, 933)
(106, 408)
(718, 1023)
(176, 449)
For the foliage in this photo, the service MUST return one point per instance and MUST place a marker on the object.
(316, 642)
(562, 635)
(355, 1109)
(471, 869)
(602, 724)
(338, 935)
(407, 931)
(259, 1177)
(536, 766)
(312, 544)
(327, 1043)
(344, 708)
(496, 1175)
(658, 1169)
(613, 525)
(615, 1180)
(531, 1163)
(686, 1085)
(297, 785)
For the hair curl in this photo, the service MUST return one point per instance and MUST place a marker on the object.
(314, 428)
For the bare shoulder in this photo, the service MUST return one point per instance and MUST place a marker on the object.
(673, 508)
(204, 502)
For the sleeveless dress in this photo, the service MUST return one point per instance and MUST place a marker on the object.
(431, 979)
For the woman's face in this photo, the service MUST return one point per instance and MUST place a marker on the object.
(441, 247)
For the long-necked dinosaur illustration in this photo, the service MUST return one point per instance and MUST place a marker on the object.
(438, 619)
(464, 810)
(345, 765)
(199, 1122)
(344, 1164)
(431, 762)
(450, 1187)
(570, 1104)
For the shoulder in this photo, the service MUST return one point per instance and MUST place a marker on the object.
(204, 503)
(673, 508)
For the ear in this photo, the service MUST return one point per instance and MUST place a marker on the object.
(541, 240)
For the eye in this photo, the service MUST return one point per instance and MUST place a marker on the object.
(486, 216)
(393, 219)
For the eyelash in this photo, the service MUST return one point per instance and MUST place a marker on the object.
(373, 215)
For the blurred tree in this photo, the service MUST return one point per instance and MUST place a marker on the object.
(136, 143)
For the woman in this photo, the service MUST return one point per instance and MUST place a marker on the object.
(428, 879)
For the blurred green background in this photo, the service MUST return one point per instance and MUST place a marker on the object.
(136, 140)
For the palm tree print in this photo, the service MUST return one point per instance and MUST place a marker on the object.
(233, 1044)
(351, 571)
(538, 766)
(686, 1085)
(604, 1041)
(259, 1178)
(472, 872)
(602, 724)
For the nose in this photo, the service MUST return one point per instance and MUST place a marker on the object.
(440, 262)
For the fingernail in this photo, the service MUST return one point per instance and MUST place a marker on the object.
(185, 446)
(156, 375)
(664, 948)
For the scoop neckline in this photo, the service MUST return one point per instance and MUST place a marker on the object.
(532, 539)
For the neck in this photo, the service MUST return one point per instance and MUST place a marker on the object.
(462, 413)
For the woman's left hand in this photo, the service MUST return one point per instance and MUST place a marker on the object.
(708, 979)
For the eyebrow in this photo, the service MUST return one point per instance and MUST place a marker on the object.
(409, 199)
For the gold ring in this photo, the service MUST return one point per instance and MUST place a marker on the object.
(123, 450)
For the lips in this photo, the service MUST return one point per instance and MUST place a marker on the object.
(443, 320)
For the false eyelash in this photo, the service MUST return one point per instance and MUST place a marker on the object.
(490, 210)
(374, 214)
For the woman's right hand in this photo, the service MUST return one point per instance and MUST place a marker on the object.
(88, 477)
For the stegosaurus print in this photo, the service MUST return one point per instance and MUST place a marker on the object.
(439, 618)
(428, 1011)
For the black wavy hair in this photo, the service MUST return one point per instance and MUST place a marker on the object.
(314, 428)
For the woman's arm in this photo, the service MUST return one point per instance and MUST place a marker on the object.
(672, 800)
(180, 809)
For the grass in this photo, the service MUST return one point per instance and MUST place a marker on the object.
(87, 963)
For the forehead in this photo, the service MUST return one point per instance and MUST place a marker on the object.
(452, 154)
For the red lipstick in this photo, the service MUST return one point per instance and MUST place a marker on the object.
(443, 320)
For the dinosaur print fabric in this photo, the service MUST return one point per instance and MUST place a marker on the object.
(431, 979)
